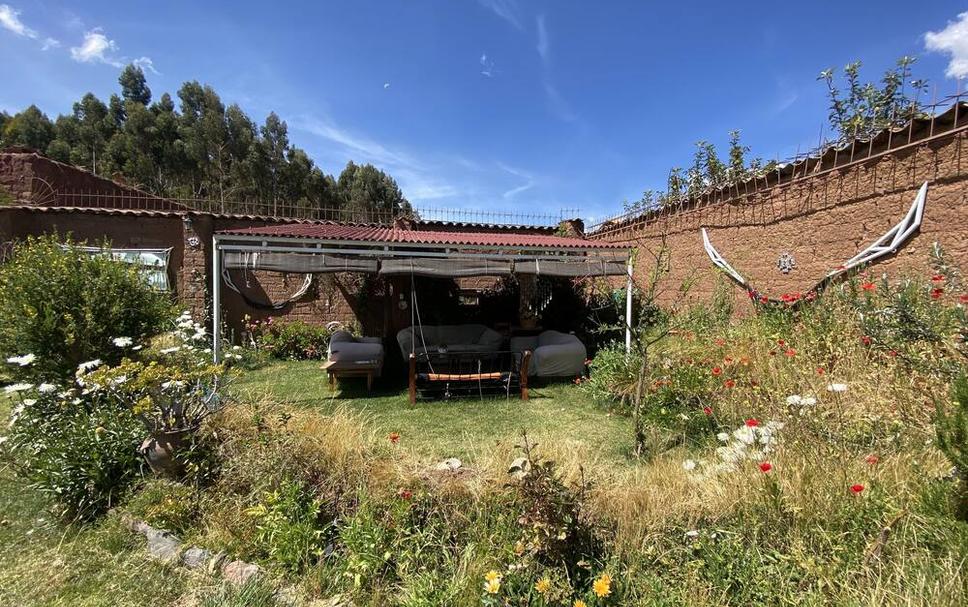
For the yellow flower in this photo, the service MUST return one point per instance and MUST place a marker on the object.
(492, 575)
(603, 585)
(542, 585)
(492, 586)
(579, 603)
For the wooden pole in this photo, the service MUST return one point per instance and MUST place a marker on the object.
(525, 363)
(413, 378)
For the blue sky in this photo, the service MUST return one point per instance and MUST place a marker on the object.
(490, 104)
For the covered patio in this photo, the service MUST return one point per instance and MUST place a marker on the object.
(401, 253)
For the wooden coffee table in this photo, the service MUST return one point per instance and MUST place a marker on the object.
(365, 368)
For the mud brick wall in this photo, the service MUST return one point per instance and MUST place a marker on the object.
(821, 219)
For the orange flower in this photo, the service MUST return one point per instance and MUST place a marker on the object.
(868, 286)
(937, 293)
(790, 352)
(717, 371)
(820, 371)
(729, 383)
(394, 437)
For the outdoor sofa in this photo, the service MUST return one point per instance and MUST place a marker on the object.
(347, 349)
(449, 338)
(553, 354)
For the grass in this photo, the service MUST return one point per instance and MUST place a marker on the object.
(557, 415)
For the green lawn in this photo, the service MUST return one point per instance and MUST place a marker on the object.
(558, 414)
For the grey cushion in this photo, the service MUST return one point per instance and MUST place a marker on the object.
(347, 349)
(457, 338)
(553, 354)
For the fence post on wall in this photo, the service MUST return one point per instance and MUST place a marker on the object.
(628, 307)
(216, 301)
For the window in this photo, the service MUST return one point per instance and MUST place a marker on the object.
(152, 262)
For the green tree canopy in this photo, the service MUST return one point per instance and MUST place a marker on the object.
(198, 148)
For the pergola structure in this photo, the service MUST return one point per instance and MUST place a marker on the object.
(328, 247)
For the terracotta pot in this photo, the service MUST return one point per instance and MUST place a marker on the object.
(161, 449)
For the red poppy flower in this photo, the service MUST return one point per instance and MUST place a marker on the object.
(729, 383)
(820, 371)
(938, 278)
(394, 437)
(868, 286)
(764, 299)
(765, 467)
(871, 459)
(892, 353)
(857, 488)
(707, 410)
(790, 352)
(963, 299)
(752, 294)
(717, 371)
(937, 293)
(780, 342)
(405, 493)
(752, 422)
(865, 340)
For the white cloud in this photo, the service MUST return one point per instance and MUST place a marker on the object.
(487, 65)
(952, 40)
(96, 48)
(10, 20)
(543, 44)
(418, 180)
(527, 185)
(50, 43)
(386, 85)
(505, 9)
(146, 64)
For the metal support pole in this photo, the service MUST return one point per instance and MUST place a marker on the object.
(216, 301)
(628, 307)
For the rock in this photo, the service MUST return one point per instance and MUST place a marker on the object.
(285, 597)
(196, 558)
(240, 572)
(451, 464)
(162, 545)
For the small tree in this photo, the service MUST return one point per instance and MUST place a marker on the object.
(61, 306)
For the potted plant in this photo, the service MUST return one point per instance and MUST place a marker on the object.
(171, 400)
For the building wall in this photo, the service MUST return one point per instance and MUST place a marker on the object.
(821, 219)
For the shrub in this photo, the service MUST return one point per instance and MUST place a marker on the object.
(65, 307)
(290, 530)
(292, 340)
(952, 429)
(79, 450)
(165, 504)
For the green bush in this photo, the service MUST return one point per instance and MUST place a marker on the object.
(289, 529)
(165, 504)
(291, 340)
(80, 451)
(952, 429)
(65, 307)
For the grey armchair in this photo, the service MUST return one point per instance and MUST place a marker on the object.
(553, 354)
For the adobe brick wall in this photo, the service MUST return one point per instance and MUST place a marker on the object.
(822, 220)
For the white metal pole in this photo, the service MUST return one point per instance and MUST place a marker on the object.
(216, 301)
(628, 307)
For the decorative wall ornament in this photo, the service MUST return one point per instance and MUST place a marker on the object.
(786, 263)
(194, 242)
(889, 243)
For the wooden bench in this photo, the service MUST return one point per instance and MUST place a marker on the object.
(336, 370)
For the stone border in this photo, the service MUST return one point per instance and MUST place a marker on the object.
(165, 547)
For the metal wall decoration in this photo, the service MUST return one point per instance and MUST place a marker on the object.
(786, 263)
(889, 243)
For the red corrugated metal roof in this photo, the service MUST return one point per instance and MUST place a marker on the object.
(388, 235)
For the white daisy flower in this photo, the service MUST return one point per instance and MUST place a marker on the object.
(170, 350)
(89, 365)
(23, 361)
(723, 437)
(794, 400)
(14, 388)
(122, 342)
(689, 465)
(45, 388)
(837, 388)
